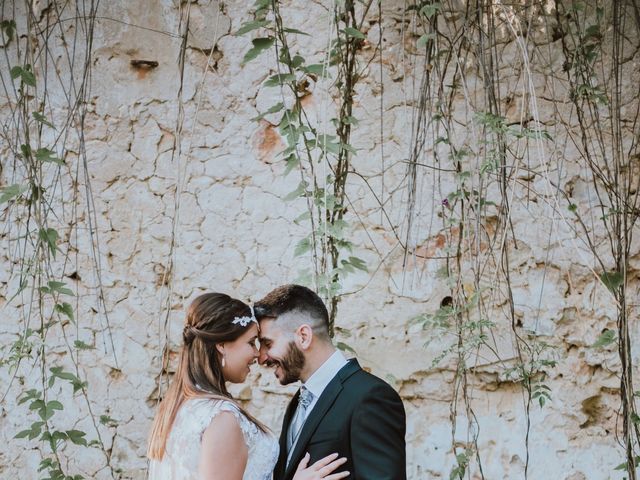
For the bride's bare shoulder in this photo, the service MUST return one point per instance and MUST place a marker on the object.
(224, 453)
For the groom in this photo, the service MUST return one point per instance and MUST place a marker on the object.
(339, 408)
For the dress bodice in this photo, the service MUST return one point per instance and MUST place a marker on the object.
(182, 452)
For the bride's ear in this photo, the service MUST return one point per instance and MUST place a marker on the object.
(220, 348)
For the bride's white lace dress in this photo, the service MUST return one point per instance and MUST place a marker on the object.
(182, 453)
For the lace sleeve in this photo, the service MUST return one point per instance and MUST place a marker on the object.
(247, 427)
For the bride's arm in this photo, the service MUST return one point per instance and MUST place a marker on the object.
(223, 455)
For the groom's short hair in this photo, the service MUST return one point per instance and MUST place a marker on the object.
(295, 303)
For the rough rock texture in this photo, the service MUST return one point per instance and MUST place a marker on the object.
(156, 228)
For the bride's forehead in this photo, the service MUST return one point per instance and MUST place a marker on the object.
(250, 332)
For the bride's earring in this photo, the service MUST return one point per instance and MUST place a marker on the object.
(224, 360)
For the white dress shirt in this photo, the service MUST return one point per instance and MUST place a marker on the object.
(316, 384)
(322, 376)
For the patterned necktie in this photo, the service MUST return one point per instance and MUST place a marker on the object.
(298, 419)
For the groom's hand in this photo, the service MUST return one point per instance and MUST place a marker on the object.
(322, 469)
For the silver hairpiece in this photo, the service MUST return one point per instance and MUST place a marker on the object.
(244, 321)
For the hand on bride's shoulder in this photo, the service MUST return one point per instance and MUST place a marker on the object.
(224, 453)
(322, 469)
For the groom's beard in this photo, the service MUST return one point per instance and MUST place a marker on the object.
(291, 364)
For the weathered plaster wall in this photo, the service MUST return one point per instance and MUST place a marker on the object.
(235, 234)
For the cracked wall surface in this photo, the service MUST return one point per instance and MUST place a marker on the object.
(156, 228)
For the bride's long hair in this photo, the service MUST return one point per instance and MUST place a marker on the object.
(209, 322)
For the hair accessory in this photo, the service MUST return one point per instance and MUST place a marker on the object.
(244, 321)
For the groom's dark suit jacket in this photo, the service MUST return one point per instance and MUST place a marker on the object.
(358, 416)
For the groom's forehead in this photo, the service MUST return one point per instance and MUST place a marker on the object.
(268, 328)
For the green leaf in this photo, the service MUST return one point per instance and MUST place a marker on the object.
(80, 345)
(430, 10)
(22, 434)
(15, 190)
(42, 119)
(337, 229)
(47, 463)
(348, 148)
(279, 79)
(250, 26)
(77, 437)
(29, 395)
(592, 31)
(46, 155)
(58, 372)
(58, 435)
(292, 162)
(354, 32)
(623, 466)
(302, 247)
(295, 30)
(108, 421)
(276, 108)
(326, 143)
(305, 216)
(612, 280)
(605, 338)
(296, 61)
(16, 72)
(35, 432)
(25, 74)
(50, 237)
(26, 150)
(54, 405)
(350, 120)
(298, 192)
(59, 287)
(358, 263)
(259, 46)
(422, 41)
(316, 69)
(28, 78)
(78, 385)
(47, 411)
(36, 404)
(9, 29)
(345, 348)
(65, 309)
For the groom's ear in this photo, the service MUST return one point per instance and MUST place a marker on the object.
(304, 336)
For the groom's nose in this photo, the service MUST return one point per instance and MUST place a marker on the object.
(262, 356)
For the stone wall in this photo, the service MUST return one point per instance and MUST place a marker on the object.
(223, 187)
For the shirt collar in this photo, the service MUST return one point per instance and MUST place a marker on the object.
(325, 373)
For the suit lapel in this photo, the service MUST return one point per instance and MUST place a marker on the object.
(321, 407)
(282, 458)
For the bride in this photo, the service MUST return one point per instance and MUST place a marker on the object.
(200, 431)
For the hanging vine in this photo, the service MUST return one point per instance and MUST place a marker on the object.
(322, 159)
(595, 76)
(43, 141)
